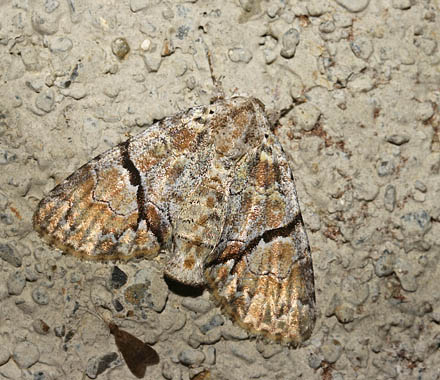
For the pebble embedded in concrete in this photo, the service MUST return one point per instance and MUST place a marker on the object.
(327, 27)
(305, 116)
(357, 353)
(365, 188)
(191, 357)
(198, 305)
(362, 47)
(138, 5)
(40, 296)
(385, 264)
(344, 312)
(9, 254)
(118, 278)
(16, 283)
(390, 198)
(405, 273)
(425, 111)
(354, 291)
(315, 360)
(289, 41)
(4, 355)
(152, 61)
(331, 350)
(402, 4)
(51, 5)
(98, 365)
(297, 87)
(44, 25)
(149, 289)
(240, 54)
(215, 321)
(26, 354)
(45, 101)
(40, 327)
(120, 47)
(386, 167)
(233, 332)
(354, 5)
(60, 45)
(210, 355)
(398, 139)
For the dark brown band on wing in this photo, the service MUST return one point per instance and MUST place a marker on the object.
(135, 180)
(267, 236)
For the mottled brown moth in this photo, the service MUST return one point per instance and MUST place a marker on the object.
(212, 188)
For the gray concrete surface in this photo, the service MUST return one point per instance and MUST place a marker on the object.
(355, 87)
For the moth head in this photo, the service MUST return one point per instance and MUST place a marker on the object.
(241, 125)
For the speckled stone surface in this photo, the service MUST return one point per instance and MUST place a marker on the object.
(352, 88)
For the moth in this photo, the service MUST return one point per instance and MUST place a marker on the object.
(212, 188)
(137, 354)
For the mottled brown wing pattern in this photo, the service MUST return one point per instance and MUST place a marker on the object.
(212, 188)
(261, 271)
(114, 207)
(235, 126)
(197, 230)
(94, 213)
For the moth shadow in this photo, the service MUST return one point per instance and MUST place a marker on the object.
(182, 289)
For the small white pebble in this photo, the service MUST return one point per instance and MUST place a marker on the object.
(146, 44)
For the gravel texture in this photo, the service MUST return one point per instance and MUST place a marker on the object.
(353, 90)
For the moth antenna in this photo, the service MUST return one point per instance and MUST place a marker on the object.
(95, 314)
(211, 70)
(216, 82)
